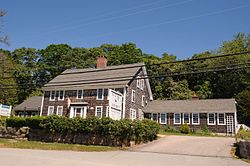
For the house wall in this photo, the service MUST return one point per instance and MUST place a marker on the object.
(138, 97)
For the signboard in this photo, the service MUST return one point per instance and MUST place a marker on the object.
(5, 110)
(115, 104)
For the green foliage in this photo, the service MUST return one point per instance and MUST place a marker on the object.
(171, 129)
(243, 105)
(2, 122)
(243, 134)
(184, 128)
(124, 130)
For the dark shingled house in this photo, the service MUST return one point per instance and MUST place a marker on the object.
(219, 115)
(113, 91)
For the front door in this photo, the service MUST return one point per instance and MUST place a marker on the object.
(78, 112)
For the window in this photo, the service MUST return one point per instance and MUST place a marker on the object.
(211, 119)
(52, 95)
(107, 111)
(142, 100)
(99, 94)
(221, 119)
(155, 117)
(133, 96)
(98, 111)
(132, 114)
(138, 83)
(59, 110)
(79, 94)
(186, 118)
(195, 118)
(142, 84)
(163, 118)
(61, 95)
(50, 110)
(177, 118)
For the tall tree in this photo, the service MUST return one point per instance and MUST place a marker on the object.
(4, 38)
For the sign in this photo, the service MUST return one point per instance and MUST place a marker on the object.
(5, 110)
(115, 104)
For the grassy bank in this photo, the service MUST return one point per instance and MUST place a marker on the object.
(23, 144)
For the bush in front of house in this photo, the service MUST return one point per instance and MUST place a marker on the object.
(243, 134)
(170, 129)
(124, 130)
(184, 128)
(2, 122)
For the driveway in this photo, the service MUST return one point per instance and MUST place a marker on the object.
(190, 145)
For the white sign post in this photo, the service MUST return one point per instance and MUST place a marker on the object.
(5, 110)
(115, 105)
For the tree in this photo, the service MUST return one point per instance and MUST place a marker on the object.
(243, 105)
(3, 39)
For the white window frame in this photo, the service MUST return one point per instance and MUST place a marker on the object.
(101, 107)
(50, 95)
(133, 96)
(77, 96)
(138, 82)
(142, 100)
(97, 92)
(50, 108)
(142, 84)
(179, 117)
(218, 119)
(208, 119)
(107, 111)
(165, 118)
(132, 114)
(57, 110)
(183, 115)
(194, 123)
(59, 93)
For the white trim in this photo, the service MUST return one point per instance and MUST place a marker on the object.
(107, 111)
(161, 119)
(50, 107)
(193, 119)
(59, 93)
(138, 82)
(96, 111)
(58, 109)
(77, 94)
(133, 96)
(142, 100)
(208, 119)
(183, 114)
(41, 109)
(50, 94)
(179, 116)
(124, 102)
(97, 90)
(218, 119)
(132, 114)
(142, 84)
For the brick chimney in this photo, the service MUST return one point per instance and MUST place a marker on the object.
(101, 62)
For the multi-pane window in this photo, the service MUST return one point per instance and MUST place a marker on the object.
(142, 100)
(132, 114)
(61, 95)
(99, 94)
(155, 117)
(98, 111)
(50, 110)
(186, 118)
(142, 84)
(52, 95)
(79, 94)
(138, 83)
(221, 119)
(211, 119)
(133, 96)
(177, 118)
(195, 118)
(59, 110)
(163, 118)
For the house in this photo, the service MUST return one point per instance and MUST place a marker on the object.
(30, 107)
(218, 115)
(105, 91)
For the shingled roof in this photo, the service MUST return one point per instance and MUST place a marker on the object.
(31, 104)
(183, 106)
(93, 78)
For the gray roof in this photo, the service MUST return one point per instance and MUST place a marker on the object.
(182, 106)
(93, 78)
(31, 104)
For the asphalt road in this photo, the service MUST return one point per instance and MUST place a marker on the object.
(21, 157)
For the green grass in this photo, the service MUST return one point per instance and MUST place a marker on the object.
(24, 144)
(207, 134)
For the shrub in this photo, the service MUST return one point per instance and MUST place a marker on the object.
(16, 122)
(170, 129)
(243, 134)
(2, 122)
(185, 128)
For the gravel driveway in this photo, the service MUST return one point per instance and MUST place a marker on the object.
(190, 145)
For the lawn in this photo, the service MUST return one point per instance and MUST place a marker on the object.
(24, 144)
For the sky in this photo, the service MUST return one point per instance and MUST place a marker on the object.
(178, 27)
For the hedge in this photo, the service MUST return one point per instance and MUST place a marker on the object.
(123, 130)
